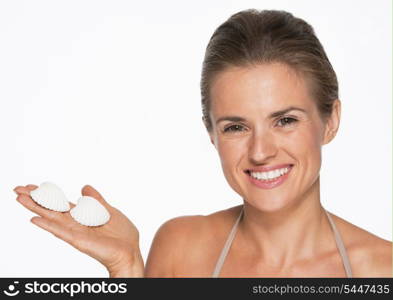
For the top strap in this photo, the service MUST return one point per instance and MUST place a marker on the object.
(340, 246)
(337, 237)
(227, 246)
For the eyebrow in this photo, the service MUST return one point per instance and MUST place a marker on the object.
(271, 116)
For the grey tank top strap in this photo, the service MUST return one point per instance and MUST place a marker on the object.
(231, 236)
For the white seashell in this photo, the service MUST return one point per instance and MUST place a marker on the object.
(51, 197)
(90, 212)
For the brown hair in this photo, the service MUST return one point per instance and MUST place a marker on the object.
(252, 36)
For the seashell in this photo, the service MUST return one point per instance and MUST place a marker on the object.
(51, 197)
(90, 212)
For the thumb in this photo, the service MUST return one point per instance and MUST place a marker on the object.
(88, 190)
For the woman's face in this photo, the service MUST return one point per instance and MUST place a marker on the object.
(268, 133)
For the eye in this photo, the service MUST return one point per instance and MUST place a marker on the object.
(286, 121)
(234, 128)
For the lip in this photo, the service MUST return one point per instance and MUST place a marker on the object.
(271, 183)
(269, 168)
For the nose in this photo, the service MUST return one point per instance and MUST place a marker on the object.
(262, 147)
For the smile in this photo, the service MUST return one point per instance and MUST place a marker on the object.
(269, 177)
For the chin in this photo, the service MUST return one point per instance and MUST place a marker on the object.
(269, 204)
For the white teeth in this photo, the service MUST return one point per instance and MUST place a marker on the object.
(270, 174)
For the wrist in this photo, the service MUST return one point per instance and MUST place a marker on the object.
(130, 266)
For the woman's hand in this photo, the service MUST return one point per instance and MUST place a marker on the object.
(114, 244)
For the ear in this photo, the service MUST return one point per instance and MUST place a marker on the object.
(212, 139)
(210, 133)
(333, 122)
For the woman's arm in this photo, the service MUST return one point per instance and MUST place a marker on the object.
(114, 244)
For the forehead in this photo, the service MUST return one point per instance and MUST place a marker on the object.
(261, 88)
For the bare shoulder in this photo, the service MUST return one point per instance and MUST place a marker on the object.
(183, 246)
(370, 255)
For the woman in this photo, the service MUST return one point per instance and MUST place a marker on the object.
(270, 101)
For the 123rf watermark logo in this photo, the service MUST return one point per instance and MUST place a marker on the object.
(71, 289)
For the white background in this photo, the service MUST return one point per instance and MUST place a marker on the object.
(107, 93)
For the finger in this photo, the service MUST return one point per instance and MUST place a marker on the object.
(53, 227)
(16, 190)
(27, 202)
(31, 186)
(24, 190)
(21, 190)
(88, 190)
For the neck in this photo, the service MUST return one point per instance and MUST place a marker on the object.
(293, 233)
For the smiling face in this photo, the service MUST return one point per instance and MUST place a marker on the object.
(268, 133)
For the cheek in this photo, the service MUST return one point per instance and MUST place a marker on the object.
(305, 146)
(231, 152)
